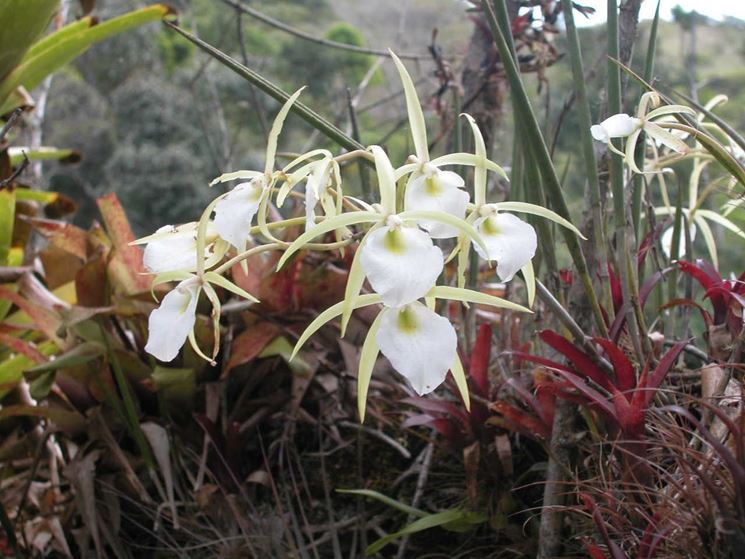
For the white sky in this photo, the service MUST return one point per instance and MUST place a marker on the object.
(715, 9)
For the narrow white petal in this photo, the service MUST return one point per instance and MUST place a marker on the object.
(169, 325)
(311, 199)
(175, 251)
(419, 343)
(599, 133)
(235, 212)
(511, 242)
(616, 126)
(666, 240)
(401, 263)
(440, 191)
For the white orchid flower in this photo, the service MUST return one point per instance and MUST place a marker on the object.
(174, 248)
(429, 188)
(419, 343)
(317, 190)
(173, 321)
(436, 190)
(401, 263)
(616, 126)
(511, 242)
(235, 210)
(698, 217)
(625, 126)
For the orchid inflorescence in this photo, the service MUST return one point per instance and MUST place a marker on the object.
(395, 251)
(667, 147)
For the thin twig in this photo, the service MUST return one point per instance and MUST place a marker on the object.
(11, 122)
(257, 105)
(401, 449)
(421, 482)
(318, 40)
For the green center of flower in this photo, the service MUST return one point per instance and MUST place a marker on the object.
(432, 185)
(407, 321)
(490, 226)
(394, 241)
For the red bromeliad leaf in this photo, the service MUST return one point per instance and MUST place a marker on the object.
(593, 396)
(126, 266)
(546, 399)
(652, 538)
(688, 303)
(584, 365)
(90, 283)
(479, 366)
(541, 361)
(595, 552)
(529, 399)
(63, 235)
(663, 367)
(445, 427)
(249, 344)
(17, 345)
(625, 377)
(45, 320)
(447, 409)
(630, 419)
(639, 397)
(709, 279)
(617, 326)
(521, 421)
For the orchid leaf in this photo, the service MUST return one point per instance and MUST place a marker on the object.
(368, 357)
(331, 313)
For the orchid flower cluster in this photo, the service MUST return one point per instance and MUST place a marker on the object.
(419, 202)
(652, 120)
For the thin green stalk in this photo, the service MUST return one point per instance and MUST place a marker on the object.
(133, 421)
(625, 245)
(636, 207)
(534, 195)
(551, 182)
(585, 122)
(364, 177)
(306, 113)
(672, 279)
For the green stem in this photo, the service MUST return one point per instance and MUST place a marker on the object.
(639, 182)
(130, 408)
(626, 246)
(551, 180)
(588, 150)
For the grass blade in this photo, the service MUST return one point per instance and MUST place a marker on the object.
(535, 139)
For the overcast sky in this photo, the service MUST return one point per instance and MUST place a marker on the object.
(716, 9)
